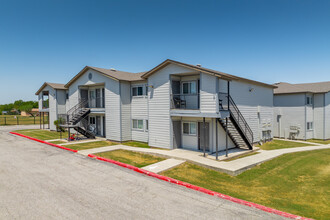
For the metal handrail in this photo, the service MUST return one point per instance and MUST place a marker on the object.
(76, 109)
(236, 114)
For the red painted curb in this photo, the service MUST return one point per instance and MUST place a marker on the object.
(200, 189)
(44, 142)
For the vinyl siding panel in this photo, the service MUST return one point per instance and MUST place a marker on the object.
(255, 102)
(327, 115)
(160, 131)
(139, 110)
(208, 93)
(61, 101)
(292, 110)
(318, 116)
(125, 111)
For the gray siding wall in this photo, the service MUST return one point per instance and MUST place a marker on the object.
(112, 101)
(293, 113)
(160, 123)
(318, 115)
(125, 111)
(139, 110)
(208, 93)
(327, 115)
(256, 105)
(61, 101)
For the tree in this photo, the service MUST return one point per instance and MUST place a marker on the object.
(28, 109)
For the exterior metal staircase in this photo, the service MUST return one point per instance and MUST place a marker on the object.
(238, 129)
(77, 115)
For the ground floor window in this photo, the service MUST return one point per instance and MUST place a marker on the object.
(137, 124)
(189, 128)
(310, 126)
(147, 125)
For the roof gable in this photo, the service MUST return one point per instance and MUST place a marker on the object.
(286, 88)
(222, 75)
(111, 73)
(53, 85)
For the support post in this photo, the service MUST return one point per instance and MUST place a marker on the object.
(43, 120)
(40, 119)
(216, 139)
(204, 140)
(69, 134)
(227, 137)
(5, 121)
(228, 93)
(17, 121)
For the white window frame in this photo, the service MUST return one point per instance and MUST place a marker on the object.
(137, 90)
(309, 100)
(189, 87)
(310, 126)
(137, 124)
(189, 128)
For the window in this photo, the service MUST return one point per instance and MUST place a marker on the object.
(67, 95)
(137, 91)
(137, 124)
(309, 126)
(189, 128)
(147, 125)
(309, 100)
(189, 87)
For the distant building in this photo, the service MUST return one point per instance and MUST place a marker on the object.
(302, 111)
(34, 111)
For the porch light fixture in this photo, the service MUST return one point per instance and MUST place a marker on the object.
(151, 86)
(251, 89)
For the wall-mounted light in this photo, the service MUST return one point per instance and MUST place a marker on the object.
(251, 89)
(151, 86)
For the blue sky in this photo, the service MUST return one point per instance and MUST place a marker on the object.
(269, 41)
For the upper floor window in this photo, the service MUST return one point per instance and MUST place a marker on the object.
(309, 100)
(189, 87)
(137, 91)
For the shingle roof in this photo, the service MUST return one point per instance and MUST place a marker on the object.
(53, 85)
(286, 88)
(203, 69)
(115, 74)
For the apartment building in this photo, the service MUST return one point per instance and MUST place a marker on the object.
(173, 105)
(302, 111)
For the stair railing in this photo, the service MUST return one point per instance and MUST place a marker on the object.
(76, 109)
(227, 103)
(87, 126)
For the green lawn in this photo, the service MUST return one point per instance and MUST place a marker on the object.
(319, 141)
(42, 134)
(22, 120)
(297, 183)
(57, 142)
(140, 144)
(89, 145)
(280, 144)
(241, 156)
(130, 157)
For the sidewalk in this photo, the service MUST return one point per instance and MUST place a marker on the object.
(234, 167)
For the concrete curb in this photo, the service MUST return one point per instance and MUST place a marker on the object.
(200, 189)
(44, 142)
(177, 182)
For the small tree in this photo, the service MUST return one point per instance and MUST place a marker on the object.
(28, 109)
(57, 123)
